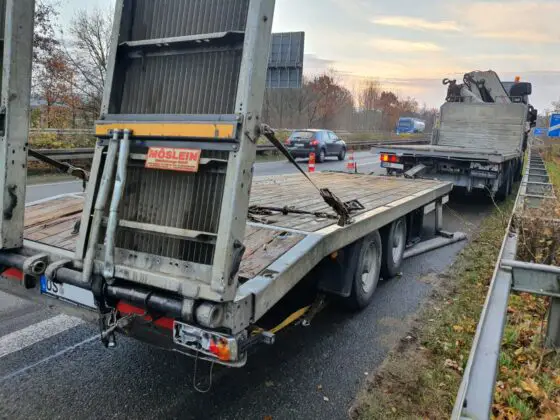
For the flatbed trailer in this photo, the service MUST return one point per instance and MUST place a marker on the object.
(281, 250)
(173, 241)
(478, 146)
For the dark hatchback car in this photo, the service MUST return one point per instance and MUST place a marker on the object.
(323, 143)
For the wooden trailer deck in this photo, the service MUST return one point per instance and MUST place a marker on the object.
(52, 222)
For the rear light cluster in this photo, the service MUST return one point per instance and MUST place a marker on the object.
(389, 158)
(314, 143)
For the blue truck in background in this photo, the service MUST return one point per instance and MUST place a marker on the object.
(408, 125)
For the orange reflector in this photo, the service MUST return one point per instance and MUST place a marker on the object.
(384, 158)
(220, 349)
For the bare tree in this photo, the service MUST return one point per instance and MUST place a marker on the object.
(45, 43)
(556, 106)
(369, 95)
(88, 54)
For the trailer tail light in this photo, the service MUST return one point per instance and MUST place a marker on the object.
(220, 346)
(389, 158)
(125, 309)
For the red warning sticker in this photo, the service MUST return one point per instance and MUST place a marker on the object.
(171, 159)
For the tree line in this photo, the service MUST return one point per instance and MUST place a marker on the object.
(70, 66)
(324, 102)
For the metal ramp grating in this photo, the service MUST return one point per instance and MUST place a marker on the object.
(184, 76)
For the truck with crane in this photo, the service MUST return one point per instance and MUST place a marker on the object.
(174, 242)
(480, 140)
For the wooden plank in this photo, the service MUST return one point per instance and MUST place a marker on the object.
(44, 226)
(60, 238)
(58, 203)
(272, 246)
(52, 211)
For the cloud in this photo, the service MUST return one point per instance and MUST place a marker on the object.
(499, 56)
(510, 21)
(314, 64)
(399, 45)
(417, 23)
(526, 36)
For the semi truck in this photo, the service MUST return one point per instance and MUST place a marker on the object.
(174, 242)
(481, 138)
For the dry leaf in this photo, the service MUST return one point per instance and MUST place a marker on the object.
(452, 364)
(548, 407)
(325, 398)
(533, 388)
(458, 328)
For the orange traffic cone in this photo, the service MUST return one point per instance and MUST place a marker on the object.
(311, 163)
(351, 165)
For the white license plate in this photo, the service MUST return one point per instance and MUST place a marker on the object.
(392, 165)
(67, 293)
(299, 145)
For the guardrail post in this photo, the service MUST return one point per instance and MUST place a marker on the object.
(553, 329)
(439, 215)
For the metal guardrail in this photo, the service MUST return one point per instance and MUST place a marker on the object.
(476, 393)
(62, 131)
(87, 153)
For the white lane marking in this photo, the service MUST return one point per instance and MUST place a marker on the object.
(55, 197)
(49, 358)
(18, 340)
(53, 184)
(370, 162)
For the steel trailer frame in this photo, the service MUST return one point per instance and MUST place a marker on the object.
(16, 29)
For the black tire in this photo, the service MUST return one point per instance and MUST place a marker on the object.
(321, 156)
(511, 181)
(505, 188)
(342, 154)
(369, 265)
(393, 239)
(519, 171)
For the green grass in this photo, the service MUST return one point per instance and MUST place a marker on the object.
(552, 162)
(420, 378)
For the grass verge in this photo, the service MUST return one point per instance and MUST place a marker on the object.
(421, 376)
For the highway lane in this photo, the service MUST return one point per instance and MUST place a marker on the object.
(367, 162)
(309, 373)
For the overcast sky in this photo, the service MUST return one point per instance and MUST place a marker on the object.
(411, 45)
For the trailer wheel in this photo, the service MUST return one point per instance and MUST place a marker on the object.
(366, 275)
(393, 243)
(511, 181)
(505, 188)
(519, 170)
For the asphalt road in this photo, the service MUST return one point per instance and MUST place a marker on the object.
(366, 161)
(52, 366)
